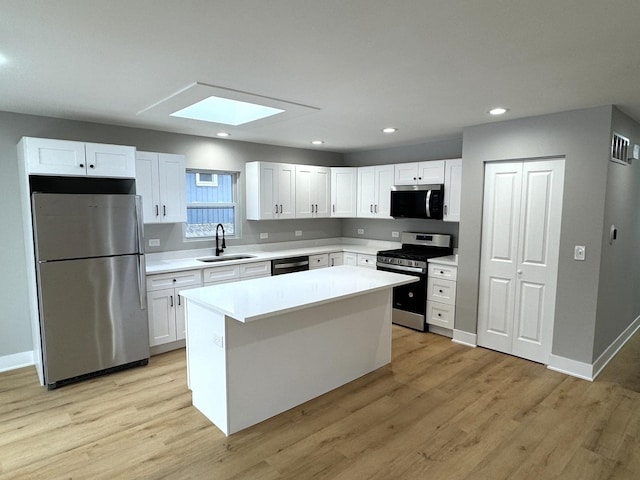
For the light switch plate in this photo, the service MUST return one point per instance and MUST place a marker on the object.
(264, 235)
(298, 233)
(579, 252)
(361, 231)
(395, 234)
(154, 242)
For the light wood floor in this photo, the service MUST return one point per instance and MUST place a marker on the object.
(439, 411)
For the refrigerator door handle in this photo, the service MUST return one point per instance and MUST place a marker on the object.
(139, 224)
(142, 267)
(142, 264)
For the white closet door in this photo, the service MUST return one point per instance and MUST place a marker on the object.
(498, 260)
(519, 257)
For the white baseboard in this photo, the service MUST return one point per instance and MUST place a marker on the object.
(615, 347)
(570, 367)
(465, 338)
(589, 371)
(16, 360)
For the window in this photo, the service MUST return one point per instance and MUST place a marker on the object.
(211, 199)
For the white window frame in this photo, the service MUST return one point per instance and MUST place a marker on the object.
(234, 204)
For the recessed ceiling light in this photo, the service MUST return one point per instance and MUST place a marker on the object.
(498, 111)
(317, 142)
(226, 111)
(389, 130)
(223, 134)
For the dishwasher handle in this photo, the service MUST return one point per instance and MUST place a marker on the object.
(289, 265)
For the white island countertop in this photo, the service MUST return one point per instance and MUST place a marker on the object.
(250, 300)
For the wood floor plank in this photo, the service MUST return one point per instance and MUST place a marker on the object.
(439, 411)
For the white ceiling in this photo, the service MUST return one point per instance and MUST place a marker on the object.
(428, 67)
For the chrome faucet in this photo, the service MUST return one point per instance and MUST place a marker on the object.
(219, 250)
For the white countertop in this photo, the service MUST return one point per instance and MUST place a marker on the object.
(251, 300)
(187, 259)
(451, 260)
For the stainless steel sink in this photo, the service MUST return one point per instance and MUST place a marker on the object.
(224, 258)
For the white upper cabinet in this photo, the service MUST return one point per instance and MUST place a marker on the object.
(374, 191)
(313, 191)
(161, 181)
(452, 190)
(420, 173)
(270, 190)
(66, 158)
(344, 185)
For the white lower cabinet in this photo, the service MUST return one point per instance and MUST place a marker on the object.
(441, 295)
(318, 261)
(336, 259)
(367, 261)
(350, 258)
(358, 259)
(166, 306)
(255, 270)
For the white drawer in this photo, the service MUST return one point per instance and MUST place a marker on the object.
(186, 278)
(441, 314)
(227, 273)
(368, 261)
(441, 290)
(256, 269)
(319, 261)
(446, 272)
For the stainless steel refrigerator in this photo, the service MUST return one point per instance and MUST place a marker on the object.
(91, 284)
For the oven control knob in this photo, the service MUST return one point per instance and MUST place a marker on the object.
(410, 294)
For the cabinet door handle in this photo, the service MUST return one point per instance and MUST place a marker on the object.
(419, 178)
(371, 208)
(376, 209)
(280, 208)
(179, 303)
(276, 208)
(445, 209)
(157, 211)
(164, 210)
(333, 208)
(90, 166)
(81, 165)
(171, 298)
(414, 178)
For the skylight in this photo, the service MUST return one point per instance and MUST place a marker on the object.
(226, 111)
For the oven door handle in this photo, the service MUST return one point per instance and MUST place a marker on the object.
(402, 268)
(428, 204)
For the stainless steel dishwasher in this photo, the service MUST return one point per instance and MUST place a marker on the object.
(281, 266)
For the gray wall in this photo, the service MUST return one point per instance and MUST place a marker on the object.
(582, 138)
(201, 153)
(619, 286)
(382, 229)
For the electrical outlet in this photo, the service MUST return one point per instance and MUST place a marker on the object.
(395, 234)
(218, 340)
(154, 242)
(298, 233)
(264, 235)
(579, 252)
(361, 231)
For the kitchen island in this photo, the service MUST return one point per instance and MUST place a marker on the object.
(259, 347)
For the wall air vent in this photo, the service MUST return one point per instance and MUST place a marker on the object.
(620, 149)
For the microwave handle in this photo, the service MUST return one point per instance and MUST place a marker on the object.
(428, 202)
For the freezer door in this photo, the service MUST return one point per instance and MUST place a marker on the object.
(84, 225)
(91, 315)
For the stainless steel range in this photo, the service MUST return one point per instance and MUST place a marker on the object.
(410, 301)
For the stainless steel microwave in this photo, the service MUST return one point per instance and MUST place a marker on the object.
(417, 201)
